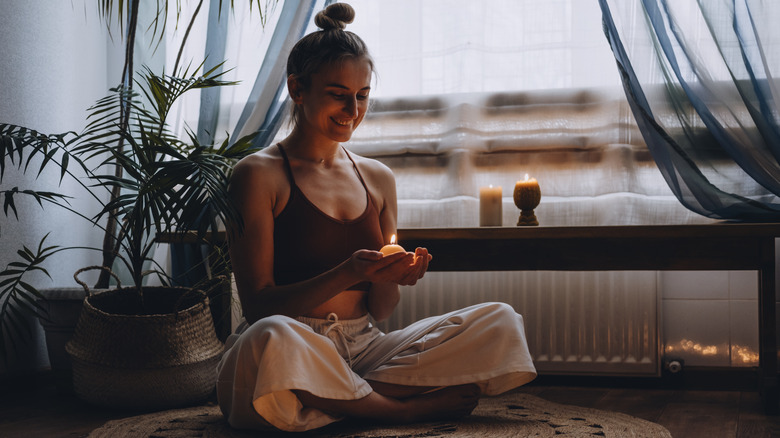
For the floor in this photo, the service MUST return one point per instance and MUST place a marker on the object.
(44, 412)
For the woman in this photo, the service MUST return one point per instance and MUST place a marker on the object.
(309, 275)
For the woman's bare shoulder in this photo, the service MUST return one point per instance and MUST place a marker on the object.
(262, 165)
(258, 177)
(376, 170)
(263, 159)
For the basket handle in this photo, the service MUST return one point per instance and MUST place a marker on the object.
(89, 268)
(211, 284)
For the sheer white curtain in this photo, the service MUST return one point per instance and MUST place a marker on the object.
(472, 93)
(435, 47)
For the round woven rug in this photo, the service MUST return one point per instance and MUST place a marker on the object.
(510, 415)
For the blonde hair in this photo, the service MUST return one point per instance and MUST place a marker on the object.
(326, 46)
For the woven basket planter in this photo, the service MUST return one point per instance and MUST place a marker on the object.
(148, 356)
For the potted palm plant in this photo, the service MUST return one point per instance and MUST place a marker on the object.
(136, 346)
(167, 185)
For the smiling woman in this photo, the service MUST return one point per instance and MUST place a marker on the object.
(312, 280)
(335, 100)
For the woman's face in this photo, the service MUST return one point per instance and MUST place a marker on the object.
(336, 100)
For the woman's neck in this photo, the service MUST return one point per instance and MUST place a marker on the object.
(304, 148)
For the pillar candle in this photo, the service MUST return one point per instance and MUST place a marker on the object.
(527, 194)
(490, 212)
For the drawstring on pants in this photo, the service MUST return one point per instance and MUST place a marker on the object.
(336, 327)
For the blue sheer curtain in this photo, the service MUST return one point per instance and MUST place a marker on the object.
(699, 77)
(263, 111)
(264, 107)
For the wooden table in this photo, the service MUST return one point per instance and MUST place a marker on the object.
(717, 246)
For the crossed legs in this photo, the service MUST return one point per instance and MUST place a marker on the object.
(401, 404)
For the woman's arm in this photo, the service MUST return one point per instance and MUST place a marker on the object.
(383, 297)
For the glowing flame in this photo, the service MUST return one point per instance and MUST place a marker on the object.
(689, 346)
(392, 240)
(526, 177)
(740, 354)
(744, 355)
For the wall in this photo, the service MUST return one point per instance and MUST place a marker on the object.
(53, 66)
(710, 318)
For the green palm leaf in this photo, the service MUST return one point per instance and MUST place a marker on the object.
(18, 298)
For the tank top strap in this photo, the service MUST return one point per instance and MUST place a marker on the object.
(354, 165)
(287, 166)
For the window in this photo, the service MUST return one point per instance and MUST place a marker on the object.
(472, 93)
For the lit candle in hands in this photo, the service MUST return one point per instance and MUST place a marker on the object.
(392, 247)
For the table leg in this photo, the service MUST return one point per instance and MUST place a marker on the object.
(767, 326)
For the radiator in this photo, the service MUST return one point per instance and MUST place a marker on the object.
(594, 323)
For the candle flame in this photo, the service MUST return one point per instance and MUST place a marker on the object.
(526, 177)
(392, 239)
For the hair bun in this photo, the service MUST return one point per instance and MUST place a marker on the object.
(335, 16)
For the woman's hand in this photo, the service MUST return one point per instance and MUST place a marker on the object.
(386, 274)
(403, 268)
(419, 267)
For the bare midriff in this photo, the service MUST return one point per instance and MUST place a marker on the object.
(349, 304)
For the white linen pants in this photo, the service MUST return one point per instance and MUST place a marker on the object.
(483, 344)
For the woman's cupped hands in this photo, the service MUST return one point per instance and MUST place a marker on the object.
(403, 268)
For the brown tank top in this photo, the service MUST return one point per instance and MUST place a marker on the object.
(308, 242)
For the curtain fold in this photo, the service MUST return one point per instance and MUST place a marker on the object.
(264, 109)
(705, 100)
(216, 40)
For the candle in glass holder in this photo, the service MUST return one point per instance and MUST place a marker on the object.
(392, 247)
(527, 196)
(490, 210)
